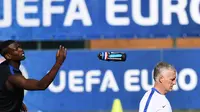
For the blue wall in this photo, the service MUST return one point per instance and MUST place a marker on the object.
(87, 83)
(89, 19)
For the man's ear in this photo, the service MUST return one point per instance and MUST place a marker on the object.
(7, 56)
(161, 78)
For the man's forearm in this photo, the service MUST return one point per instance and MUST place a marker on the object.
(49, 77)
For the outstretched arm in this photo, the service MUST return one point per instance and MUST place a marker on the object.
(32, 84)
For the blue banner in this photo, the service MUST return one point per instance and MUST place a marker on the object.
(91, 19)
(86, 83)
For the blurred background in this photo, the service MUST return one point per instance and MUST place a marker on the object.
(148, 31)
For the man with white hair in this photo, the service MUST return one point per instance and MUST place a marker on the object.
(154, 100)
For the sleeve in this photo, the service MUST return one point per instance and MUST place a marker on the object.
(165, 108)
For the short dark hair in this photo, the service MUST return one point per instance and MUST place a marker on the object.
(159, 67)
(4, 45)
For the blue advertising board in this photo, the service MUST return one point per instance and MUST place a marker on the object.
(86, 83)
(90, 19)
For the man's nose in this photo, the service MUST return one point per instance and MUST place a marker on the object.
(174, 82)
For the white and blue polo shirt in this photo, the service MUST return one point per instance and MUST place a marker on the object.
(153, 101)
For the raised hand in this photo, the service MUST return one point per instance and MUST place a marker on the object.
(61, 55)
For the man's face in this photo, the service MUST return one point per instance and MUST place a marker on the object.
(168, 79)
(15, 52)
